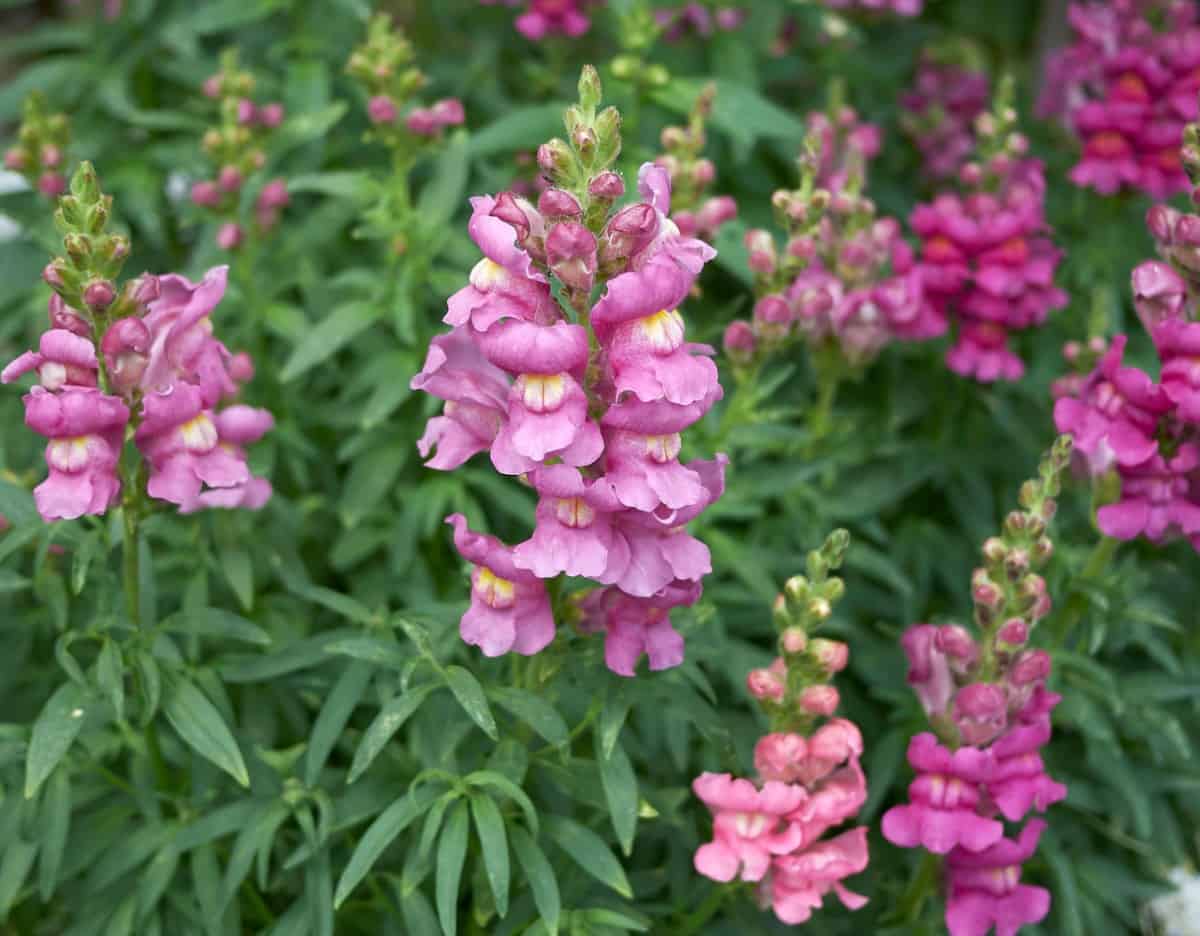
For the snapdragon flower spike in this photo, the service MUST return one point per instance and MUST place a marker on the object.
(809, 782)
(38, 155)
(987, 260)
(1126, 86)
(894, 7)
(585, 402)
(86, 429)
(694, 18)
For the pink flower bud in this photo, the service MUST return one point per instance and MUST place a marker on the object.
(126, 350)
(229, 179)
(778, 755)
(801, 247)
(1160, 220)
(274, 194)
(772, 316)
(957, 644)
(832, 655)
(516, 211)
(1159, 293)
(686, 222)
(52, 184)
(146, 289)
(794, 640)
(51, 156)
(52, 276)
(715, 212)
(381, 109)
(212, 87)
(241, 368)
(421, 122)
(63, 316)
(980, 712)
(448, 112)
(703, 173)
(99, 294)
(14, 159)
(819, 700)
(970, 174)
(271, 115)
(229, 236)
(555, 203)
(763, 684)
(1187, 230)
(628, 231)
(247, 114)
(1014, 632)
(571, 253)
(739, 341)
(837, 740)
(760, 246)
(206, 194)
(606, 186)
(1030, 667)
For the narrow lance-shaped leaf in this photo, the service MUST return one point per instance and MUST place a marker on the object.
(493, 841)
(451, 856)
(379, 835)
(56, 728)
(470, 696)
(589, 851)
(539, 874)
(198, 722)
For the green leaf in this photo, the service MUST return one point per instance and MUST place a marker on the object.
(110, 676)
(14, 868)
(470, 696)
(54, 822)
(621, 792)
(489, 824)
(612, 719)
(216, 622)
(56, 727)
(379, 835)
(257, 834)
(516, 128)
(81, 562)
(197, 721)
(354, 185)
(17, 506)
(539, 874)
(588, 851)
(390, 719)
(239, 573)
(535, 711)
(451, 856)
(336, 711)
(305, 127)
(338, 603)
(443, 193)
(374, 650)
(330, 335)
(495, 780)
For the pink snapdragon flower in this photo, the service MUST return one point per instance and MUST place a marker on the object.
(985, 889)
(697, 19)
(63, 359)
(749, 825)
(895, 7)
(86, 430)
(586, 406)
(544, 18)
(509, 606)
(799, 882)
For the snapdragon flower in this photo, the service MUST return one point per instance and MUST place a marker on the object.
(585, 400)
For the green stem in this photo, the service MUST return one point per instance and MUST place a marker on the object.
(132, 572)
(820, 417)
(1097, 563)
(912, 902)
(694, 922)
(740, 405)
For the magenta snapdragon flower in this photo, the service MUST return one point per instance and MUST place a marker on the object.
(542, 18)
(1127, 85)
(692, 18)
(895, 7)
(985, 888)
(939, 113)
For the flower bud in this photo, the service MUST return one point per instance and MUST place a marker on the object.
(229, 179)
(673, 138)
(703, 173)
(554, 158)
(448, 112)
(271, 115)
(957, 644)
(1030, 667)
(99, 294)
(796, 588)
(247, 114)
(63, 316)
(715, 212)
(739, 342)
(52, 274)
(819, 700)
(764, 684)
(274, 194)
(206, 194)
(52, 184)
(126, 350)
(585, 142)
(15, 159)
(51, 156)
(518, 213)
(606, 186)
(793, 640)
(229, 236)
(760, 246)
(241, 368)
(381, 109)
(980, 712)
(832, 655)
(1160, 221)
(1016, 563)
(555, 203)
(571, 253)
(212, 87)
(1013, 633)
(994, 549)
(1159, 293)
(628, 231)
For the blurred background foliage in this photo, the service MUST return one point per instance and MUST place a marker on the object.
(320, 635)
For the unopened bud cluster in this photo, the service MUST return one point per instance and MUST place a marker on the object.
(691, 174)
(797, 687)
(845, 280)
(236, 147)
(39, 152)
(386, 68)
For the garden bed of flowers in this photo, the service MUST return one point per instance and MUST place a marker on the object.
(599, 466)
